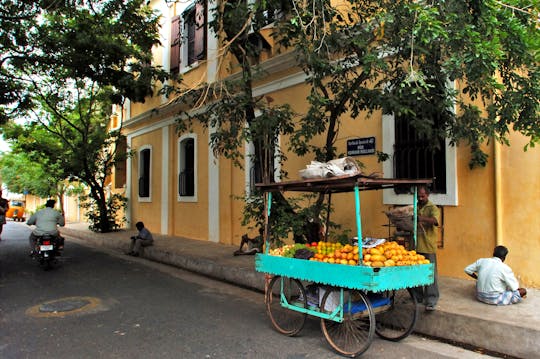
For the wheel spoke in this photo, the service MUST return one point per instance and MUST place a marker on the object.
(397, 321)
(285, 320)
(354, 335)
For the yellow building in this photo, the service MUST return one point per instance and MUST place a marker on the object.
(177, 186)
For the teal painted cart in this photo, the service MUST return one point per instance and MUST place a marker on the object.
(352, 302)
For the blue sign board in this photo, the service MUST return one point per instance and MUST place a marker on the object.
(361, 146)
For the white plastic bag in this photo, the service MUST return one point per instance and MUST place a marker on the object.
(337, 167)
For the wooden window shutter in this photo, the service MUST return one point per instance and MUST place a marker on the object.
(200, 30)
(175, 44)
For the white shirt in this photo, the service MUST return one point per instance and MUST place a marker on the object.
(46, 221)
(493, 275)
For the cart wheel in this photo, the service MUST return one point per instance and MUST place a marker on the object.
(354, 335)
(291, 291)
(399, 319)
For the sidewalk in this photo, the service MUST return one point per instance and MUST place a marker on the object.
(511, 330)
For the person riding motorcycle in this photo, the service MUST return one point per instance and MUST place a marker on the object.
(46, 221)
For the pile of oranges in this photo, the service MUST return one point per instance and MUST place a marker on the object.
(387, 254)
(336, 253)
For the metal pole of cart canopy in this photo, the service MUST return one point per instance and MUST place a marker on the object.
(327, 225)
(358, 222)
(268, 197)
(415, 214)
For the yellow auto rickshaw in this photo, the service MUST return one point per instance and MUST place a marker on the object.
(16, 211)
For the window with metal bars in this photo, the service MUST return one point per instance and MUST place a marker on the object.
(416, 156)
(144, 172)
(186, 176)
(255, 175)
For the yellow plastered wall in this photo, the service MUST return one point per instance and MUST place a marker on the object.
(148, 212)
(373, 219)
(470, 228)
(230, 183)
(521, 196)
(190, 219)
(73, 211)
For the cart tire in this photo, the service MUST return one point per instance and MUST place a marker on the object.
(398, 321)
(286, 321)
(354, 335)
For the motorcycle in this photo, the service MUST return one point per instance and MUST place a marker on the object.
(48, 248)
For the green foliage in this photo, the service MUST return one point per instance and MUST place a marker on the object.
(289, 216)
(401, 57)
(281, 220)
(107, 42)
(63, 67)
(361, 57)
(22, 174)
(67, 134)
(116, 209)
(343, 237)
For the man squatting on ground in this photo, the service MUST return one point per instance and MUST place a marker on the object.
(143, 239)
(496, 283)
(254, 245)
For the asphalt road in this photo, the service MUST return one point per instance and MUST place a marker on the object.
(99, 304)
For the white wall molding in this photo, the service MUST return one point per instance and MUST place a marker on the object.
(165, 180)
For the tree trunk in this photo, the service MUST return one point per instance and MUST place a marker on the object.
(98, 194)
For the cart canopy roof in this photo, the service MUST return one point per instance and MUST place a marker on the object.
(338, 184)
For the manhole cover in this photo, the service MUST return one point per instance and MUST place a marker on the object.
(63, 305)
(66, 306)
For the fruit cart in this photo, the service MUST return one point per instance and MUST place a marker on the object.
(355, 301)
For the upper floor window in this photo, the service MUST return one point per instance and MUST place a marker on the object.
(275, 10)
(188, 37)
(145, 157)
(187, 168)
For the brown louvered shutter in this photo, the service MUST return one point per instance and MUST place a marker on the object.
(175, 44)
(200, 30)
